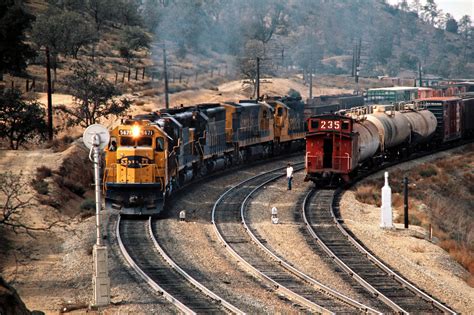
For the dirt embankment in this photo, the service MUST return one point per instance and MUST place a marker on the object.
(441, 195)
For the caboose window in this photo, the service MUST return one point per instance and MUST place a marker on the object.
(345, 125)
(127, 141)
(144, 142)
(280, 111)
(314, 124)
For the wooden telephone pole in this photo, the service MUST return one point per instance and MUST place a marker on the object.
(167, 100)
(50, 101)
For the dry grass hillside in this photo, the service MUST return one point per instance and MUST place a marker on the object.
(441, 195)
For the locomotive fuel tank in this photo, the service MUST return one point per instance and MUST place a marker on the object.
(393, 127)
(368, 141)
(422, 123)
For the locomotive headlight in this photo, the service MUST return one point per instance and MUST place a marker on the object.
(135, 131)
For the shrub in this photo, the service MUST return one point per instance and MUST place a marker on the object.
(42, 172)
(368, 194)
(40, 186)
(427, 171)
(88, 204)
(59, 145)
(76, 188)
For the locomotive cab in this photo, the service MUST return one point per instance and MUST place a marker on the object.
(136, 174)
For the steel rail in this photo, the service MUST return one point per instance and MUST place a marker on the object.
(381, 265)
(251, 268)
(370, 257)
(294, 270)
(346, 268)
(147, 279)
(183, 273)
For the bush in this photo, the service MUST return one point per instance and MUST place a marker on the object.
(88, 204)
(76, 188)
(368, 194)
(427, 171)
(59, 145)
(40, 186)
(42, 172)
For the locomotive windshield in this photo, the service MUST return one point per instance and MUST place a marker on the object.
(130, 141)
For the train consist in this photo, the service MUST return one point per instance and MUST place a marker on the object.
(152, 155)
(339, 144)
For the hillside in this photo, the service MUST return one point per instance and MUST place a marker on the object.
(204, 50)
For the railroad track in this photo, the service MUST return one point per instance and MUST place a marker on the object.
(141, 250)
(227, 218)
(397, 293)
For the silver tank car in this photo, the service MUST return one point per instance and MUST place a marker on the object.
(393, 127)
(369, 140)
(422, 124)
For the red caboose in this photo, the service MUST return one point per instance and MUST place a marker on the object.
(335, 145)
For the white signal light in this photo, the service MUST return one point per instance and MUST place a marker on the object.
(135, 131)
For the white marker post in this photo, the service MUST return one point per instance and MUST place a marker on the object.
(96, 138)
(274, 215)
(386, 209)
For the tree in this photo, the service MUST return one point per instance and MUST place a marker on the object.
(14, 53)
(465, 30)
(451, 24)
(430, 12)
(132, 39)
(416, 6)
(403, 5)
(63, 32)
(94, 97)
(266, 19)
(15, 202)
(247, 63)
(20, 121)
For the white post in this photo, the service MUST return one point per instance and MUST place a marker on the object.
(100, 279)
(386, 209)
(274, 215)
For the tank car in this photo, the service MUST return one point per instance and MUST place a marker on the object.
(337, 145)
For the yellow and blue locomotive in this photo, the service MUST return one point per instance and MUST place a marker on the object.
(152, 155)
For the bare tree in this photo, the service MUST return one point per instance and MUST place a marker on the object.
(247, 63)
(14, 202)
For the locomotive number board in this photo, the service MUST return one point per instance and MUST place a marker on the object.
(128, 132)
(329, 125)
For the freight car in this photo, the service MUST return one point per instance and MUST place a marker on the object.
(447, 111)
(337, 145)
(150, 156)
(331, 104)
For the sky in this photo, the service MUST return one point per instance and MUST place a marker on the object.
(457, 8)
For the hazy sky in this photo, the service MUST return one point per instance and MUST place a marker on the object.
(457, 8)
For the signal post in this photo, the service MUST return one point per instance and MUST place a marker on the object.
(96, 137)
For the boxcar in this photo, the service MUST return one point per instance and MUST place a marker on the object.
(448, 111)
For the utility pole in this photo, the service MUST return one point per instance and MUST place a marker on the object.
(311, 76)
(357, 64)
(258, 78)
(167, 100)
(50, 100)
(420, 69)
(405, 201)
(353, 60)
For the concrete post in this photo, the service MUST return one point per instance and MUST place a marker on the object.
(386, 209)
(274, 215)
(100, 279)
